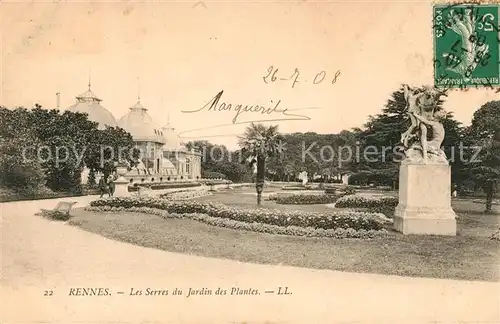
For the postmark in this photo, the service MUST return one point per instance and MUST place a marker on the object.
(466, 45)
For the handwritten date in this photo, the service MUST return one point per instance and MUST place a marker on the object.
(272, 75)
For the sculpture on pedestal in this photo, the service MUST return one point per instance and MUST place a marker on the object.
(424, 175)
(421, 107)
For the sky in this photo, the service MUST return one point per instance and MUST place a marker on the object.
(180, 55)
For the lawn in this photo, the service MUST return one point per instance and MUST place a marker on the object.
(470, 256)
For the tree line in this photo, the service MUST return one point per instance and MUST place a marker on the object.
(42, 148)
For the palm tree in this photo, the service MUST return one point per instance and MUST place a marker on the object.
(258, 143)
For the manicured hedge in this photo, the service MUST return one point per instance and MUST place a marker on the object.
(355, 201)
(215, 182)
(384, 205)
(39, 196)
(254, 226)
(185, 194)
(330, 220)
(330, 191)
(296, 188)
(305, 199)
(161, 186)
(214, 175)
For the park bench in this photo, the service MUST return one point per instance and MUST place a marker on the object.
(60, 212)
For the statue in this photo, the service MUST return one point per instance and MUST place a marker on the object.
(424, 175)
(303, 177)
(421, 105)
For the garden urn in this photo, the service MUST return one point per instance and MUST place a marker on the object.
(121, 184)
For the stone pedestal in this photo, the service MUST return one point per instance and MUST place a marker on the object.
(121, 187)
(425, 200)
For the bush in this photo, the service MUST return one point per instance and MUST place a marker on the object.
(349, 190)
(256, 227)
(214, 182)
(306, 187)
(383, 205)
(332, 220)
(184, 194)
(22, 177)
(305, 199)
(330, 191)
(274, 196)
(157, 186)
(54, 215)
(7, 195)
(214, 175)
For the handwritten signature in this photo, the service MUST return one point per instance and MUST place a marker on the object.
(239, 109)
(272, 76)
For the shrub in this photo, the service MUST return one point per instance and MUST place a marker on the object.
(331, 220)
(158, 186)
(296, 188)
(256, 227)
(214, 182)
(349, 190)
(42, 193)
(54, 215)
(184, 194)
(383, 205)
(214, 175)
(330, 191)
(305, 199)
(273, 196)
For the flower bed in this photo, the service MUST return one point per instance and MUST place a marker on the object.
(154, 186)
(330, 191)
(8, 195)
(212, 182)
(305, 199)
(185, 194)
(254, 226)
(333, 220)
(384, 205)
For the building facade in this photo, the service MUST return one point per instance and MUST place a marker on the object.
(164, 156)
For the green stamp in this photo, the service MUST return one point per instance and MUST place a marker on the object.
(466, 45)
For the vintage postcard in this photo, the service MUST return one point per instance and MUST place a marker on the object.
(249, 162)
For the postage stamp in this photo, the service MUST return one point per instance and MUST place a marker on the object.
(466, 45)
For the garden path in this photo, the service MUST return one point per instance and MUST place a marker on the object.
(40, 255)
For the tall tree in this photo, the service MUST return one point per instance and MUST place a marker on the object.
(257, 144)
(107, 147)
(485, 131)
